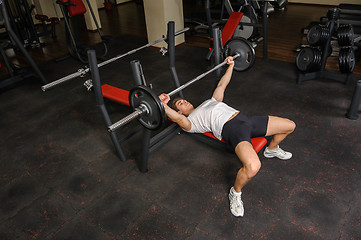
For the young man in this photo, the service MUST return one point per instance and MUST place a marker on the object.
(235, 128)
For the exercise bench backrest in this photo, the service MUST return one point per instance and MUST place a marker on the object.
(231, 26)
(75, 7)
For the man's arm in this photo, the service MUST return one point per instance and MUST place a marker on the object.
(218, 93)
(176, 117)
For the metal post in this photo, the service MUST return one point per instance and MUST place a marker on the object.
(355, 103)
(217, 49)
(137, 73)
(171, 56)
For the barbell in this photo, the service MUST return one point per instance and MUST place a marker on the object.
(147, 106)
(82, 71)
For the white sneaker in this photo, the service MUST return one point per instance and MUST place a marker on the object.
(277, 152)
(235, 203)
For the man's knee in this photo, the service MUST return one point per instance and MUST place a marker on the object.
(291, 126)
(252, 168)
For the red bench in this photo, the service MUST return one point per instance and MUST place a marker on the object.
(116, 94)
(258, 142)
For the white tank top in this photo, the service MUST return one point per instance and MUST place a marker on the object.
(210, 116)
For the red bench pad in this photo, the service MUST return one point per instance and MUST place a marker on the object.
(116, 94)
(257, 143)
(76, 10)
(230, 27)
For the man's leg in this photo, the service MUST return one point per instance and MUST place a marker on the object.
(251, 165)
(279, 128)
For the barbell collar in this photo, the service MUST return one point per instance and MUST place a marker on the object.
(142, 109)
(81, 72)
(200, 76)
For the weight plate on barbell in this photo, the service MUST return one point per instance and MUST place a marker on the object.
(246, 51)
(155, 117)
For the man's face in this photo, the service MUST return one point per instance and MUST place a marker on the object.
(183, 106)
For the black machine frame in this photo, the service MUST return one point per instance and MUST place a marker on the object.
(16, 74)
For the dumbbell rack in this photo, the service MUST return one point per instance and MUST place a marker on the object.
(322, 72)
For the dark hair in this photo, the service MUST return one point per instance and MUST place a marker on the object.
(174, 102)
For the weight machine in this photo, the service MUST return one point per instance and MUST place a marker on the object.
(241, 28)
(73, 9)
(16, 74)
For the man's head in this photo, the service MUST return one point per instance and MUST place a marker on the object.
(182, 106)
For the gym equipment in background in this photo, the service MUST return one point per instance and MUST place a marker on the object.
(239, 30)
(74, 9)
(311, 60)
(16, 74)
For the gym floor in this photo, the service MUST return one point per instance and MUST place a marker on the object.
(61, 178)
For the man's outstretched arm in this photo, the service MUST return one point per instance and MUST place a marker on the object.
(218, 93)
(176, 117)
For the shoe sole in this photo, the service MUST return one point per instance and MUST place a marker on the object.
(271, 156)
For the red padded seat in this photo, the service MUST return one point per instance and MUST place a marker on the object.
(75, 7)
(258, 143)
(116, 94)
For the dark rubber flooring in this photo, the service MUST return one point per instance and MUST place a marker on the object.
(61, 178)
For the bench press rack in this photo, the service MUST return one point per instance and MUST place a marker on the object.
(152, 143)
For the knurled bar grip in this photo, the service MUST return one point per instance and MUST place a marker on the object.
(127, 119)
(200, 76)
(83, 71)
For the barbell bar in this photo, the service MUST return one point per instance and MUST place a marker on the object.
(82, 71)
(148, 106)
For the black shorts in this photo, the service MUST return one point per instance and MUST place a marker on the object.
(243, 128)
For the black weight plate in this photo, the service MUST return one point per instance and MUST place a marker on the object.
(314, 35)
(349, 60)
(305, 59)
(345, 35)
(155, 118)
(246, 51)
(341, 61)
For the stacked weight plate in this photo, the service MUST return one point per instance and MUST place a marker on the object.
(346, 57)
(309, 58)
